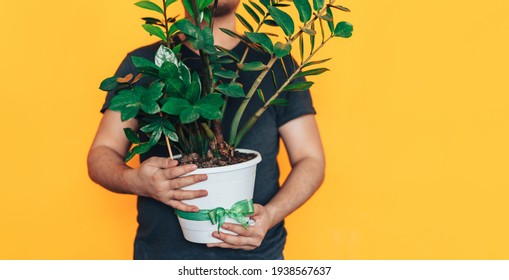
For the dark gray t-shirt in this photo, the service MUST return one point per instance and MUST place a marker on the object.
(159, 235)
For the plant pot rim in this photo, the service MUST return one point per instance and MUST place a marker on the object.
(220, 169)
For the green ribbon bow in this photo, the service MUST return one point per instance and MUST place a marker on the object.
(238, 212)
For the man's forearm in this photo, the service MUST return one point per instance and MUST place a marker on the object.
(304, 179)
(107, 168)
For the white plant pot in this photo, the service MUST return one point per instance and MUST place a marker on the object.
(226, 185)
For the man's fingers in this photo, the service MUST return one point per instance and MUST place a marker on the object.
(229, 246)
(177, 171)
(185, 195)
(238, 229)
(161, 162)
(182, 206)
(232, 241)
(187, 181)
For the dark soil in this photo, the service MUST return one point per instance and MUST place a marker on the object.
(215, 162)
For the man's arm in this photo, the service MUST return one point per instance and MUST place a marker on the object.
(304, 147)
(156, 177)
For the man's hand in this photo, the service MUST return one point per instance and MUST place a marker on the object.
(247, 239)
(158, 177)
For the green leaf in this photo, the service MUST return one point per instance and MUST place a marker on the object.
(262, 39)
(189, 115)
(140, 149)
(213, 99)
(282, 19)
(186, 74)
(252, 66)
(318, 4)
(208, 40)
(315, 62)
(270, 22)
(174, 87)
(127, 103)
(227, 74)
(261, 95)
(149, 96)
(252, 13)
(343, 29)
(265, 2)
(156, 135)
(256, 6)
(312, 38)
(331, 22)
(169, 2)
(281, 49)
(188, 28)
(174, 106)
(151, 20)
(339, 7)
(168, 70)
(202, 4)
(298, 86)
(153, 125)
(229, 53)
(312, 72)
(301, 48)
(145, 66)
(131, 135)
(109, 84)
(189, 7)
(170, 134)
(209, 111)
(232, 90)
(304, 9)
(310, 32)
(244, 22)
(194, 90)
(150, 6)
(165, 54)
(279, 102)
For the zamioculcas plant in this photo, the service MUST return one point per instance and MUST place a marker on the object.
(184, 109)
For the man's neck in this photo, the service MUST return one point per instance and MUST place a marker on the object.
(220, 38)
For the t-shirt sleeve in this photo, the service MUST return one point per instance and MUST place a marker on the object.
(299, 102)
(126, 67)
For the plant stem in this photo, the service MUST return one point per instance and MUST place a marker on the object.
(243, 131)
(167, 140)
(168, 37)
(238, 115)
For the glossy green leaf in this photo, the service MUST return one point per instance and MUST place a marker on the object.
(189, 115)
(270, 22)
(154, 30)
(231, 90)
(209, 111)
(202, 4)
(279, 102)
(153, 125)
(339, 7)
(155, 136)
(299, 86)
(265, 2)
(282, 19)
(109, 84)
(312, 72)
(315, 62)
(189, 7)
(229, 53)
(331, 22)
(194, 90)
(127, 103)
(281, 49)
(312, 38)
(318, 4)
(188, 28)
(165, 54)
(301, 48)
(252, 13)
(168, 70)
(262, 39)
(213, 99)
(149, 6)
(145, 66)
(227, 74)
(169, 2)
(185, 73)
(174, 106)
(244, 22)
(257, 7)
(170, 134)
(343, 29)
(304, 9)
(252, 66)
(131, 135)
(174, 87)
(140, 149)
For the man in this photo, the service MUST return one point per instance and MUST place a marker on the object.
(157, 184)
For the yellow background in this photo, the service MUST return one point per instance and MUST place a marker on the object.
(414, 118)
